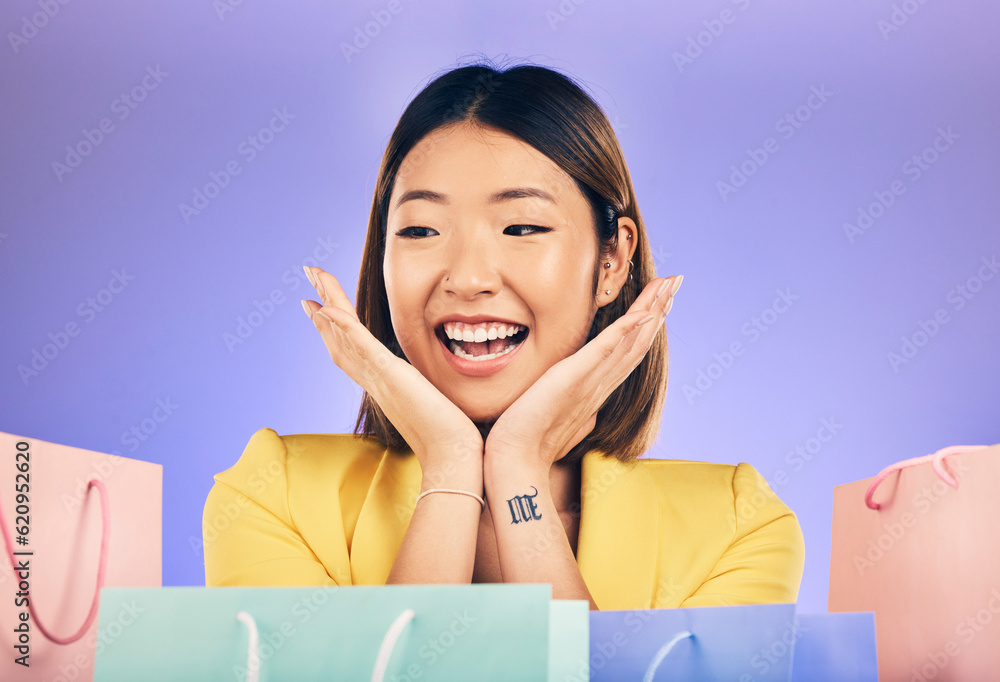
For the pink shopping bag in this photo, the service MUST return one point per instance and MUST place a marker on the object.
(57, 523)
(919, 545)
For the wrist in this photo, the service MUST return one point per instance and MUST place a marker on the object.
(454, 476)
(504, 472)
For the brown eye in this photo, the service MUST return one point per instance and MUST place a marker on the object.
(407, 232)
(533, 228)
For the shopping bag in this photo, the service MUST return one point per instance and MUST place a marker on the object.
(569, 640)
(917, 545)
(393, 632)
(732, 643)
(834, 647)
(71, 516)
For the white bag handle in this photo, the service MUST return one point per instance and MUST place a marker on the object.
(389, 643)
(381, 660)
(662, 653)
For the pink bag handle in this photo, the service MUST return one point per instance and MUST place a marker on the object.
(105, 534)
(936, 459)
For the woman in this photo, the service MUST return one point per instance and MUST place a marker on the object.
(508, 337)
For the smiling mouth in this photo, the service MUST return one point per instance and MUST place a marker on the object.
(480, 351)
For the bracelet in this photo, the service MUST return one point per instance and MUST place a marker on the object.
(482, 502)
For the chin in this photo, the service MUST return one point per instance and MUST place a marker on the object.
(479, 413)
(481, 416)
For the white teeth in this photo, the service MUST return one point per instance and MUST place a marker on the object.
(466, 332)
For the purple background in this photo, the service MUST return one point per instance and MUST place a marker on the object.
(163, 337)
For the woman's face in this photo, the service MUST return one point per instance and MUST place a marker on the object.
(466, 254)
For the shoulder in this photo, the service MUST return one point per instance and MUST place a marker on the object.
(736, 493)
(269, 458)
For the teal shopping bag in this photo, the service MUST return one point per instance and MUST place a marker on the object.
(751, 643)
(405, 632)
(569, 640)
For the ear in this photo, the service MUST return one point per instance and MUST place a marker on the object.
(615, 270)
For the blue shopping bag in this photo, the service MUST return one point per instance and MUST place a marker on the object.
(394, 632)
(733, 643)
(831, 647)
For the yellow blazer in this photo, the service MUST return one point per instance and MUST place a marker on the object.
(333, 509)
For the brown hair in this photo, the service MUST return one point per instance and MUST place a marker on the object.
(553, 114)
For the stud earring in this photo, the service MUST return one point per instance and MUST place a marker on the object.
(607, 265)
(607, 291)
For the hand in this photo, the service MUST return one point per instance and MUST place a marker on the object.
(445, 441)
(560, 408)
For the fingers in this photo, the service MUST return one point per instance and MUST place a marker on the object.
(351, 346)
(631, 336)
(329, 289)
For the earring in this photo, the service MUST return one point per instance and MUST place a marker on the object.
(630, 271)
(607, 291)
(607, 265)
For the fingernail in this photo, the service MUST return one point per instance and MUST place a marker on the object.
(663, 288)
(644, 320)
(306, 308)
(309, 275)
(670, 304)
(677, 284)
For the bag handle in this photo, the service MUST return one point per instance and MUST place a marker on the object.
(389, 643)
(253, 646)
(936, 459)
(662, 653)
(105, 534)
(381, 660)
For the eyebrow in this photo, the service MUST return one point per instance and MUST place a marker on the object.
(498, 197)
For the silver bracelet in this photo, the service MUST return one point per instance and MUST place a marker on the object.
(482, 502)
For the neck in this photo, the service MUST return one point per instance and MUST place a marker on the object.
(564, 482)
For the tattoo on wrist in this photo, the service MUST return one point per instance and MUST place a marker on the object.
(522, 508)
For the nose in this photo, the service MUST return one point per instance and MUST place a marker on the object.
(472, 268)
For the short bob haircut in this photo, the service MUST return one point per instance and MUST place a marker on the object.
(553, 114)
